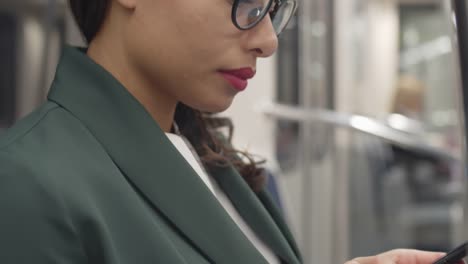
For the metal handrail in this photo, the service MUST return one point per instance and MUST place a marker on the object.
(359, 123)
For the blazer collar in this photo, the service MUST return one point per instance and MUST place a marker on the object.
(255, 214)
(153, 165)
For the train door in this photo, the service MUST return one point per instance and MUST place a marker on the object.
(368, 128)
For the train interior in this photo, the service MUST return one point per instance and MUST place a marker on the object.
(360, 116)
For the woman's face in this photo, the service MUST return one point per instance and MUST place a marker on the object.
(180, 47)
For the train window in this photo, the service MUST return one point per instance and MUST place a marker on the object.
(407, 197)
(288, 68)
(288, 93)
(388, 174)
(425, 87)
(425, 94)
(7, 69)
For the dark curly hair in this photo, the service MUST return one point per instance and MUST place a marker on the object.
(201, 129)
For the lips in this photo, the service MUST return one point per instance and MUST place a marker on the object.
(238, 78)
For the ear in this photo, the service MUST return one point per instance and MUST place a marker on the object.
(128, 4)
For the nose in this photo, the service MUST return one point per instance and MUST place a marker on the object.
(262, 40)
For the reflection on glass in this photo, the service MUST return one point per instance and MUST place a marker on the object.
(287, 132)
(426, 89)
(395, 68)
(401, 197)
(287, 143)
(288, 67)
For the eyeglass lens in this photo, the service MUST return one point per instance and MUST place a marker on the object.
(248, 13)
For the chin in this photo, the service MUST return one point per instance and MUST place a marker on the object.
(215, 106)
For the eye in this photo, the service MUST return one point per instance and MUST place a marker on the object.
(255, 13)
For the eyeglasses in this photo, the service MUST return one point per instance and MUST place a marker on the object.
(246, 14)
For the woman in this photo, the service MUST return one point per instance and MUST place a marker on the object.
(104, 172)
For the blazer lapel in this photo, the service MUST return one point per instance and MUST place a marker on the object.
(268, 203)
(254, 213)
(148, 160)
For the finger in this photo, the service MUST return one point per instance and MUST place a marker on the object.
(352, 262)
(363, 260)
(400, 256)
(412, 256)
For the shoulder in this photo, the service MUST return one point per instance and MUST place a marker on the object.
(35, 156)
(26, 125)
(25, 151)
(45, 151)
(44, 125)
(22, 151)
(47, 138)
(35, 136)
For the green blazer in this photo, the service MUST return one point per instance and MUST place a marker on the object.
(89, 177)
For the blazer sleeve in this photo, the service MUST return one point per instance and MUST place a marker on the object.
(34, 224)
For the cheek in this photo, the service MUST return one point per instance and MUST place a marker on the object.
(180, 51)
(186, 18)
(208, 98)
(193, 30)
(203, 33)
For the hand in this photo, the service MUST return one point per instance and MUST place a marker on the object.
(401, 256)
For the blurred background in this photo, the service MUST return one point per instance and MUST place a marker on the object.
(359, 114)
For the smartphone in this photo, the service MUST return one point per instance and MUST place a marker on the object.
(455, 255)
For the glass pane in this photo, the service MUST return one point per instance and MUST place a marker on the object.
(287, 145)
(401, 198)
(425, 92)
(288, 67)
(394, 179)
(400, 195)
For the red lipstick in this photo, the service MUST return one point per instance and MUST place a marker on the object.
(238, 78)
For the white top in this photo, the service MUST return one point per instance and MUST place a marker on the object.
(193, 159)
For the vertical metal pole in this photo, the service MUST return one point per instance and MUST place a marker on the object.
(315, 60)
(460, 41)
(307, 222)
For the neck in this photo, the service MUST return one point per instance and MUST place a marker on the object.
(111, 57)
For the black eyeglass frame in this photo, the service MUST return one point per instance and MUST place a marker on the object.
(268, 7)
